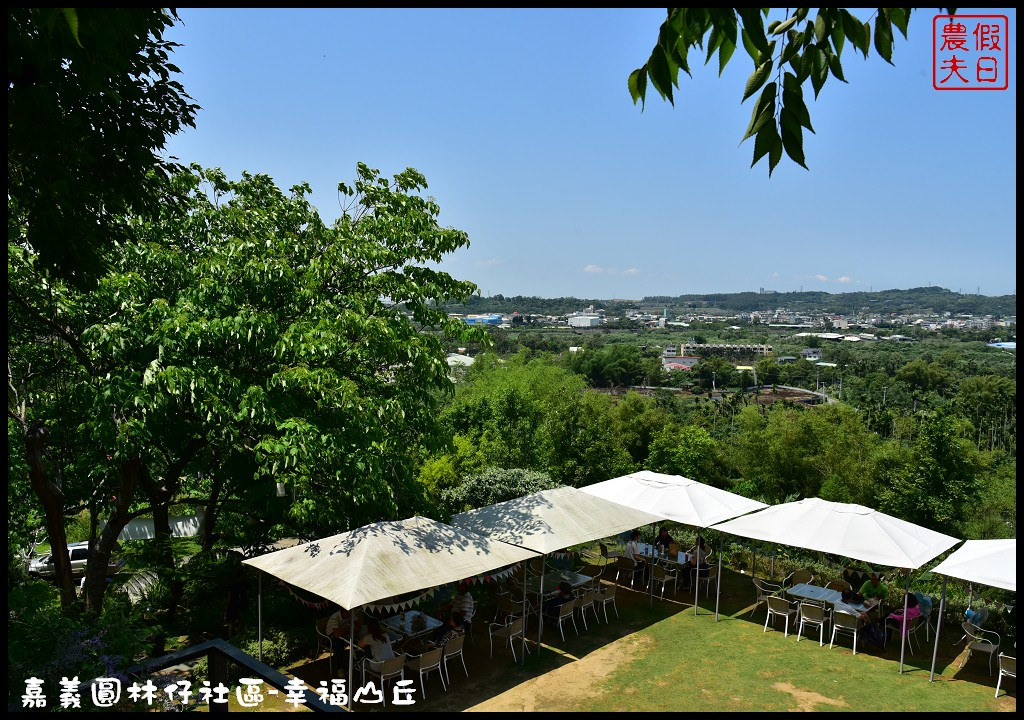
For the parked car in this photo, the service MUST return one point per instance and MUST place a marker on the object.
(43, 566)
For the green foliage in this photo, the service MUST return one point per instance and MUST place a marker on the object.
(811, 52)
(638, 419)
(687, 451)
(580, 443)
(492, 486)
(83, 89)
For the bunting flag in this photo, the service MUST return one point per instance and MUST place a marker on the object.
(401, 604)
(494, 576)
(322, 605)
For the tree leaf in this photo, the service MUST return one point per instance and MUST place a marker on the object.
(792, 137)
(725, 52)
(753, 25)
(784, 26)
(661, 75)
(835, 67)
(774, 154)
(638, 85)
(795, 104)
(821, 26)
(883, 37)
(757, 79)
(819, 70)
(792, 49)
(763, 142)
(855, 31)
(838, 37)
(763, 118)
(867, 37)
(764, 103)
(900, 18)
(71, 17)
(750, 47)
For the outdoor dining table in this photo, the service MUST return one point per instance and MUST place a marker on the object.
(822, 595)
(680, 558)
(407, 628)
(552, 581)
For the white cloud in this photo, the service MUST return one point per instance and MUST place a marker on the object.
(490, 262)
(631, 271)
(844, 279)
(823, 278)
(593, 269)
(775, 275)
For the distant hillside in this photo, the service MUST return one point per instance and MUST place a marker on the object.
(915, 300)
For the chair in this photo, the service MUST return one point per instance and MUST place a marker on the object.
(608, 554)
(604, 597)
(508, 632)
(536, 565)
(709, 577)
(798, 576)
(423, 664)
(566, 611)
(1007, 667)
(847, 623)
(509, 607)
(584, 601)
(452, 648)
(664, 576)
(840, 585)
(913, 626)
(812, 615)
(323, 642)
(764, 591)
(779, 606)
(385, 670)
(978, 641)
(627, 566)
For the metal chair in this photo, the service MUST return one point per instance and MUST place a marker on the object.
(385, 670)
(508, 632)
(779, 606)
(626, 566)
(764, 591)
(978, 641)
(812, 615)
(1007, 667)
(424, 664)
(798, 576)
(606, 596)
(584, 601)
(566, 611)
(664, 576)
(608, 554)
(454, 648)
(708, 577)
(840, 585)
(847, 623)
(509, 607)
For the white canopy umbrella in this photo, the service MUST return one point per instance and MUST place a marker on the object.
(676, 498)
(550, 520)
(384, 560)
(852, 531)
(986, 562)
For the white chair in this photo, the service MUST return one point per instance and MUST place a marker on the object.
(566, 612)
(779, 606)
(587, 600)
(626, 566)
(424, 664)
(847, 623)
(385, 670)
(507, 632)
(323, 642)
(665, 576)
(708, 578)
(811, 614)
(1007, 667)
(454, 648)
(978, 641)
(606, 596)
(764, 591)
(797, 577)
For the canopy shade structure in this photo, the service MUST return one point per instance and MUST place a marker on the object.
(852, 531)
(553, 519)
(674, 497)
(986, 562)
(387, 559)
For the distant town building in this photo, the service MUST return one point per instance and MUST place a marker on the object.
(583, 320)
(811, 353)
(482, 319)
(691, 348)
(782, 360)
(678, 362)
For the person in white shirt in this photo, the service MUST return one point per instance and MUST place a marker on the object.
(633, 552)
(464, 605)
(378, 643)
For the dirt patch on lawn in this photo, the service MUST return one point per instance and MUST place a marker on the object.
(807, 700)
(566, 687)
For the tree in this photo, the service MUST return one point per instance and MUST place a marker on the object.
(688, 451)
(242, 335)
(494, 485)
(91, 100)
(811, 52)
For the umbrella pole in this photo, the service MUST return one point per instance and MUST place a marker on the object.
(524, 618)
(650, 570)
(753, 565)
(903, 625)
(259, 613)
(773, 565)
(718, 585)
(351, 652)
(938, 628)
(696, 573)
(540, 610)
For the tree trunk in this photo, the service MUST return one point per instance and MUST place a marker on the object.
(99, 554)
(52, 497)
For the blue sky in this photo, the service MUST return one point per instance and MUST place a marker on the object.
(523, 125)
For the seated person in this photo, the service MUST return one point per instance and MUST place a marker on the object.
(913, 611)
(633, 552)
(851, 598)
(377, 642)
(338, 626)
(552, 604)
(873, 588)
(698, 561)
(663, 540)
(453, 628)
(464, 605)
